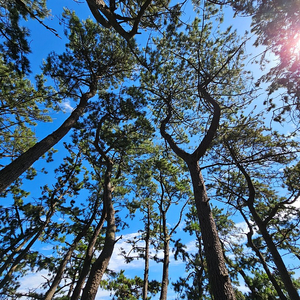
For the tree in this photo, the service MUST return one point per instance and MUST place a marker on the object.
(87, 73)
(136, 15)
(15, 46)
(168, 86)
(263, 203)
(148, 117)
(275, 25)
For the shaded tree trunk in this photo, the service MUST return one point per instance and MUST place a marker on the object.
(50, 293)
(165, 276)
(147, 242)
(88, 258)
(217, 272)
(101, 263)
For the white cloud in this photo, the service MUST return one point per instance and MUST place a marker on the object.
(33, 282)
(296, 204)
(66, 106)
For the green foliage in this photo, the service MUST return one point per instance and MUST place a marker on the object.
(14, 45)
(150, 186)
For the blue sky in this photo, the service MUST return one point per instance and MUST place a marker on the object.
(43, 41)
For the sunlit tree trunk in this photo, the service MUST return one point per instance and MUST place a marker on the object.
(16, 168)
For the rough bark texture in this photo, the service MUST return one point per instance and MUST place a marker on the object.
(16, 168)
(51, 291)
(218, 275)
(165, 276)
(88, 258)
(220, 282)
(100, 265)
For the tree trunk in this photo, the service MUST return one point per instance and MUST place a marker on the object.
(50, 293)
(24, 252)
(217, 272)
(100, 265)
(218, 275)
(146, 270)
(262, 226)
(17, 167)
(14, 250)
(281, 268)
(88, 258)
(165, 276)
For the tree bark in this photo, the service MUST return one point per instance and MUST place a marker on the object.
(100, 265)
(262, 226)
(282, 270)
(217, 272)
(88, 258)
(146, 269)
(165, 276)
(17, 167)
(50, 293)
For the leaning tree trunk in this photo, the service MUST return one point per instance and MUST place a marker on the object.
(17, 167)
(281, 268)
(262, 226)
(88, 257)
(51, 291)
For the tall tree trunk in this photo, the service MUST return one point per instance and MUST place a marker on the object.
(165, 276)
(88, 258)
(166, 240)
(50, 293)
(217, 272)
(281, 268)
(147, 242)
(100, 265)
(17, 167)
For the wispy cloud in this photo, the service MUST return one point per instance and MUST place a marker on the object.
(66, 106)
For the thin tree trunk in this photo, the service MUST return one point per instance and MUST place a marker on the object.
(266, 268)
(281, 268)
(17, 167)
(10, 258)
(165, 276)
(50, 293)
(166, 240)
(88, 258)
(24, 252)
(146, 269)
(53, 200)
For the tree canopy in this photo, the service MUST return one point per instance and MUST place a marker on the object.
(148, 158)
